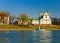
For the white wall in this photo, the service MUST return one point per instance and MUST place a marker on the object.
(35, 21)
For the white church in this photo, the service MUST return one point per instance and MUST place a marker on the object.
(44, 19)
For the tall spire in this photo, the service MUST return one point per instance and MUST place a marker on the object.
(41, 13)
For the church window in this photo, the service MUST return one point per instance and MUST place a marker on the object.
(46, 17)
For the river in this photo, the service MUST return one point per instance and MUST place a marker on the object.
(30, 36)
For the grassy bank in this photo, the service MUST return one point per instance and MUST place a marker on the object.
(51, 27)
(16, 27)
(28, 27)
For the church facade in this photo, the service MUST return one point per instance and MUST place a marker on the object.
(44, 19)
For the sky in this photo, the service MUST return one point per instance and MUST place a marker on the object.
(31, 7)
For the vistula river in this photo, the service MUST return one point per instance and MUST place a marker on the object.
(30, 36)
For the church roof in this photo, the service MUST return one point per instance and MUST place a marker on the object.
(46, 14)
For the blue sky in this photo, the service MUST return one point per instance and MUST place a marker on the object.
(31, 7)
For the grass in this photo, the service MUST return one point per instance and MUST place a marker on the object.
(51, 27)
(28, 27)
(16, 27)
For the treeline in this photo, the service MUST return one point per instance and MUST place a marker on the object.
(21, 19)
(55, 21)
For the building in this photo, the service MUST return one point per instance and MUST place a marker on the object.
(4, 18)
(44, 19)
(35, 21)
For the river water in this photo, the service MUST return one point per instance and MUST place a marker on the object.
(30, 36)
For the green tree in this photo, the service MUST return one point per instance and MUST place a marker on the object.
(55, 21)
(24, 18)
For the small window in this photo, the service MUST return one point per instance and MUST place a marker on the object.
(46, 17)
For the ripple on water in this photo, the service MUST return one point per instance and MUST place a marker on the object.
(26, 36)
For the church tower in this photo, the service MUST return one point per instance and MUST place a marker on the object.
(46, 18)
(41, 14)
(46, 15)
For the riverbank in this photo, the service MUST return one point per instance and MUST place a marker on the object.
(28, 27)
(16, 27)
(51, 27)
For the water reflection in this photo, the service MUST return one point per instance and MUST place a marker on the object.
(42, 36)
(30, 36)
